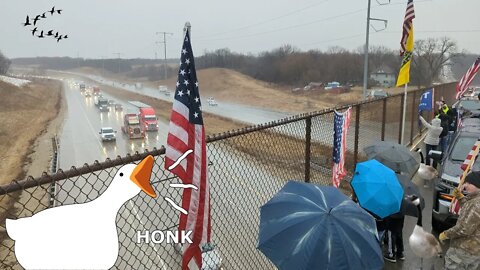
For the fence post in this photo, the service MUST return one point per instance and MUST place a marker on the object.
(413, 116)
(401, 119)
(308, 137)
(357, 131)
(384, 118)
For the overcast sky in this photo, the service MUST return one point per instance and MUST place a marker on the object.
(102, 28)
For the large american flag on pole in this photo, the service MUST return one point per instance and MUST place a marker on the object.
(186, 132)
(467, 78)
(407, 26)
(341, 122)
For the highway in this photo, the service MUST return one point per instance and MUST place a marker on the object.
(233, 173)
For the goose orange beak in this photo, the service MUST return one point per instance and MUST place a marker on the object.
(141, 176)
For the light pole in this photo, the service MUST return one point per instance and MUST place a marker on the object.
(165, 51)
(365, 63)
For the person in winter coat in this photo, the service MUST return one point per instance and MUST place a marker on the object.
(432, 138)
(464, 251)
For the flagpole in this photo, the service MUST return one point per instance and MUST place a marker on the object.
(404, 112)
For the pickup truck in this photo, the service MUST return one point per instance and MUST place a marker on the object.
(131, 126)
(107, 134)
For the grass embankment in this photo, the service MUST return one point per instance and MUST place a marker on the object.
(24, 115)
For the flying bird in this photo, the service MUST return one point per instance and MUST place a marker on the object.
(43, 15)
(41, 35)
(36, 19)
(52, 10)
(59, 38)
(50, 33)
(65, 36)
(34, 30)
(56, 35)
(59, 11)
(27, 21)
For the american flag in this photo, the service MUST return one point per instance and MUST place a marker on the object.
(467, 78)
(341, 122)
(407, 26)
(186, 132)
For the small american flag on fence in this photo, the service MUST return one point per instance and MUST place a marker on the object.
(407, 26)
(467, 78)
(341, 123)
(187, 135)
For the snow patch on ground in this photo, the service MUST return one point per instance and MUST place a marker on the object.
(14, 81)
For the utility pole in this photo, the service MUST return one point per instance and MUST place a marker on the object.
(365, 63)
(103, 64)
(165, 50)
(118, 56)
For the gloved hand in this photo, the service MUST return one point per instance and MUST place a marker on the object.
(442, 237)
(458, 194)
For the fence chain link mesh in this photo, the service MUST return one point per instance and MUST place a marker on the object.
(246, 168)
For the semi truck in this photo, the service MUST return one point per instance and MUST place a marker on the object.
(131, 126)
(147, 116)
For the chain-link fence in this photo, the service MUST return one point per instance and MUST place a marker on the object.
(246, 168)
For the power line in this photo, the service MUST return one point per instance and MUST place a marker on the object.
(165, 50)
(266, 21)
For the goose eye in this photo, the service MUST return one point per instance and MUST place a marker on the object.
(121, 174)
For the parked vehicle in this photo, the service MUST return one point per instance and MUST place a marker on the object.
(107, 134)
(332, 85)
(468, 107)
(146, 114)
(377, 93)
(131, 126)
(450, 172)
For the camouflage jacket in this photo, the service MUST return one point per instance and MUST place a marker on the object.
(466, 234)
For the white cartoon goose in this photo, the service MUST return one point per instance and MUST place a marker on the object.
(79, 236)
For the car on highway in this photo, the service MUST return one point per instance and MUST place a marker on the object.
(450, 171)
(118, 107)
(107, 134)
(104, 108)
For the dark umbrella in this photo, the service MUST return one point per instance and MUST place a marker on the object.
(410, 189)
(306, 226)
(393, 155)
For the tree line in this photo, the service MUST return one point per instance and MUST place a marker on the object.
(4, 64)
(287, 65)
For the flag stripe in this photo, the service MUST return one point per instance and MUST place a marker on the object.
(340, 127)
(186, 132)
(462, 86)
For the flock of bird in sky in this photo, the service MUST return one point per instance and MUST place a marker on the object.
(37, 18)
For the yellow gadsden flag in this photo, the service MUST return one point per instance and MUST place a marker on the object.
(404, 74)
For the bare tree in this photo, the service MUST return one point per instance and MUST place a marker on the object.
(429, 58)
(4, 63)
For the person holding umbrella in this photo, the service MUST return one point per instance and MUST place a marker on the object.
(432, 139)
(464, 251)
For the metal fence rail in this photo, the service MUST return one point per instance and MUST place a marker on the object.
(246, 168)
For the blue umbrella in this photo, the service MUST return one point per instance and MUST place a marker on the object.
(377, 188)
(306, 226)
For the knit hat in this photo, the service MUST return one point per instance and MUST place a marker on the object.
(473, 178)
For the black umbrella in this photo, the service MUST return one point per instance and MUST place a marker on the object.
(393, 155)
(410, 189)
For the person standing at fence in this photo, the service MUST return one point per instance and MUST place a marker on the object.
(464, 251)
(432, 138)
(444, 116)
(394, 236)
